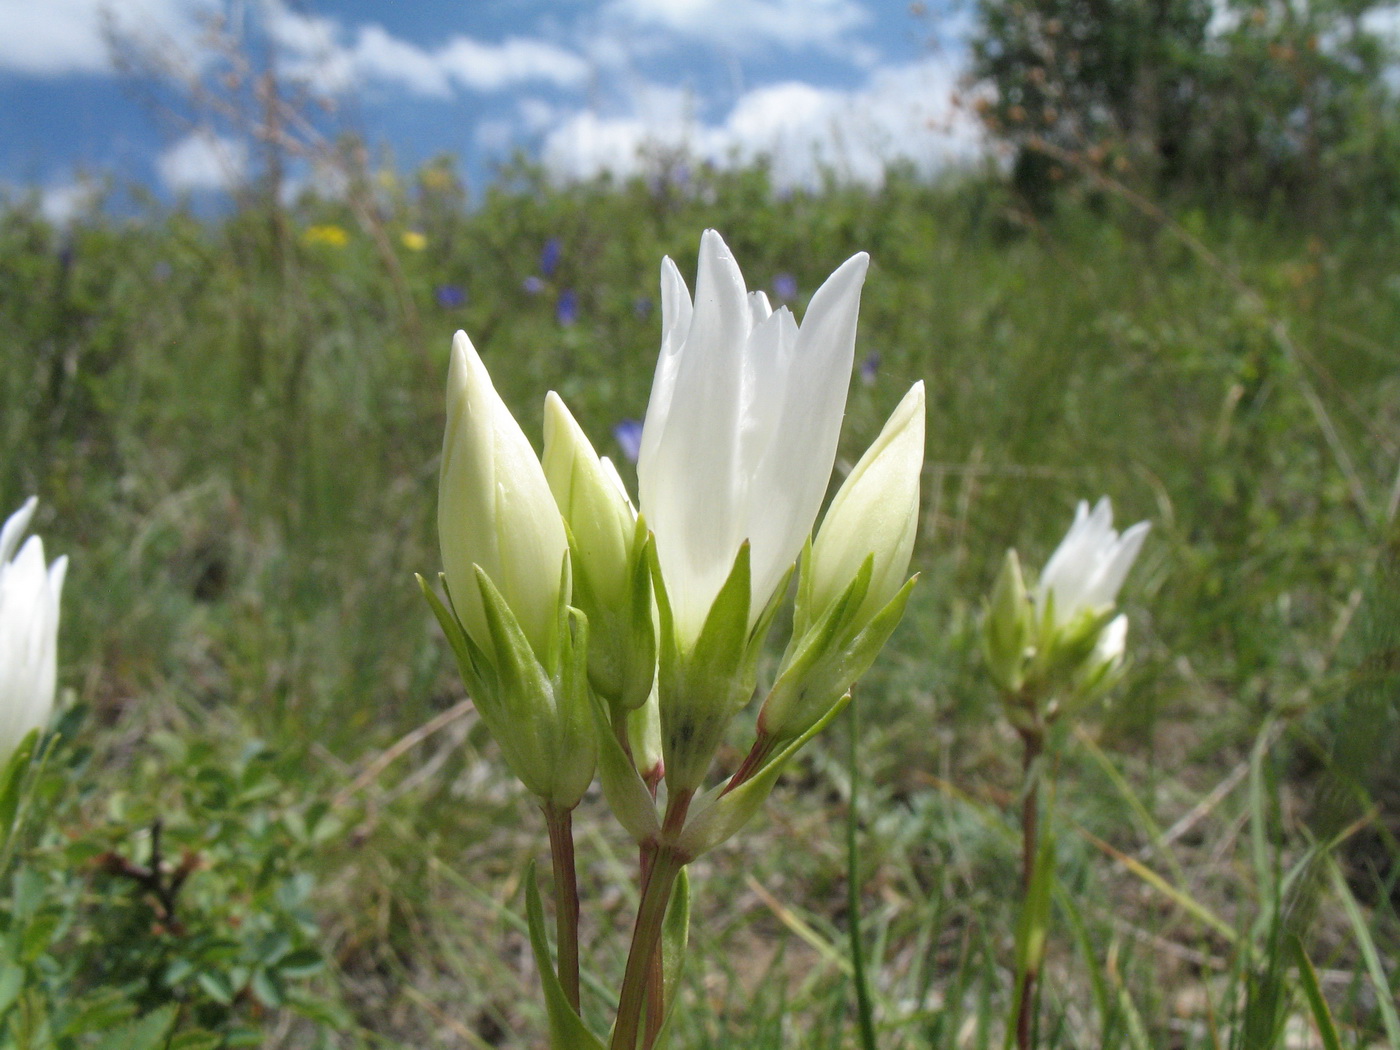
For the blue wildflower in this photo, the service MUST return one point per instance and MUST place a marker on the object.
(785, 287)
(567, 307)
(450, 296)
(870, 368)
(549, 257)
(533, 285)
(629, 438)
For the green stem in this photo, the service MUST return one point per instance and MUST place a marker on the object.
(666, 864)
(1034, 742)
(561, 849)
(865, 1011)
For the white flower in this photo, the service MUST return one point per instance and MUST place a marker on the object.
(742, 426)
(29, 596)
(495, 509)
(1090, 564)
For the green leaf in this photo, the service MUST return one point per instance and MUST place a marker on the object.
(1385, 995)
(1322, 1016)
(147, 1033)
(566, 1029)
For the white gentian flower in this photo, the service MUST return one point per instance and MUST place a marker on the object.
(495, 509)
(741, 430)
(29, 598)
(1090, 564)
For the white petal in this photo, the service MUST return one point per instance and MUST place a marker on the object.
(676, 312)
(793, 473)
(15, 527)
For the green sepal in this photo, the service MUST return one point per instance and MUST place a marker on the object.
(701, 689)
(802, 601)
(1008, 626)
(566, 1028)
(828, 662)
(12, 786)
(675, 933)
(522, 707)
(640, 673)
(473, 664)
(622, 659)
(627, 795)
(720, 815)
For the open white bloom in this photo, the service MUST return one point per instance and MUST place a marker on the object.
(495, 509)
(742, 427)
(29, 596)
(1090, 564)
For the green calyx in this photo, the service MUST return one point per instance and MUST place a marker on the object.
(702, 687)
(536, 706)
(830, 649)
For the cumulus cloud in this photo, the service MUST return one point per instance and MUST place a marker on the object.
(332, 58)
(902, 113)
(59, 37)
(202, 162)
(749, 24)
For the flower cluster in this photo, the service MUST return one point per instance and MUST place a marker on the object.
(1061, 645)
(596, 633)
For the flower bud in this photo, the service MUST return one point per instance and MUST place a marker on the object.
(1008, 626)
(495, 509)
(612, 581)
(874, 513)
(593, 501)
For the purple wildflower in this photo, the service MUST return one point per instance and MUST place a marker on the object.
(629, 438)
(642, 307)
(533, 285)
(870, 368)
(785, 287)
(549, 258)
(566, 309)
(451, 296)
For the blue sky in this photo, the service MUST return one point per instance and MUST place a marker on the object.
(582, 85)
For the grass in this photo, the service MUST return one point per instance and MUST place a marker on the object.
(235, 434)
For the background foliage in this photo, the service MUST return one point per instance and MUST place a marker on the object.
(233, 425)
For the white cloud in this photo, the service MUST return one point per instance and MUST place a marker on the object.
(202, 162)
(58, 37)
(64, 202)
(322, 52)
(749, 24)
(491, 67)
(902, 113)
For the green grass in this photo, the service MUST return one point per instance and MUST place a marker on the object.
(234, 434)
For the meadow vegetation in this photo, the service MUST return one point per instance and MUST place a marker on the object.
(233, 426)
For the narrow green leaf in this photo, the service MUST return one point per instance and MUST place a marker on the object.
(1385, 995)
(566, 1029)
(1312, 989)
